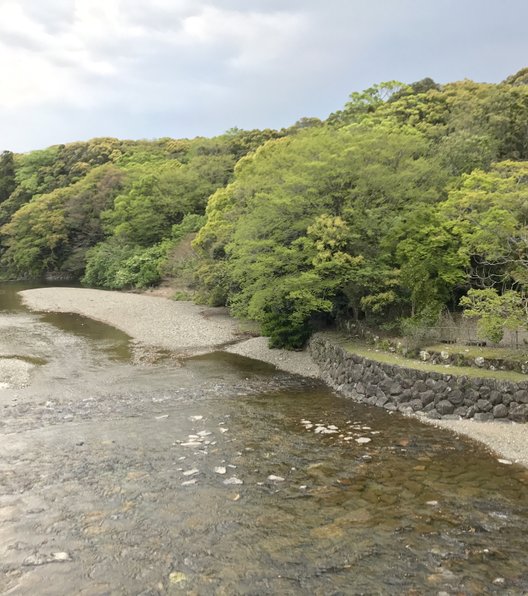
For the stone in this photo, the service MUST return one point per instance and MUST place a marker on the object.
(495, 397)
(420, 387)
(483, 416)
(427, 397)
(274, 478)
(424, 355)
(500, 411)
(61, 556)
(396, 389)
(363, 440)
(220, 469)
(192, 472)
(484, 405)
(177, 577)
(445, 407)
(416, 404)
(456, 397)
(519, 413)
(461, 411)
(521, 396)
(480, 361)
(233, 480)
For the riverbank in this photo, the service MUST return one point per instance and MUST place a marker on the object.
(187, 328)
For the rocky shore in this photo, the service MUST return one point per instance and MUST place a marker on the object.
(186, 328)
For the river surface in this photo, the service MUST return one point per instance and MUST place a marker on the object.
(126, 471)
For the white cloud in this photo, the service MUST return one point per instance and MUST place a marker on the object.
(102, 50)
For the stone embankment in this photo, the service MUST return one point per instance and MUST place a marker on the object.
(409, 390)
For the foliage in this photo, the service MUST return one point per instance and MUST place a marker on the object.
(495, 312)
(406, 200)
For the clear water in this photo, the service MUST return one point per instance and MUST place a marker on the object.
(99, 451)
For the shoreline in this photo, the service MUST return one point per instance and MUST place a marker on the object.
(185, 327)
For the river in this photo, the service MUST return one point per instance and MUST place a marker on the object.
(124, 471)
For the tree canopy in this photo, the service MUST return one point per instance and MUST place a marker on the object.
(409, 199)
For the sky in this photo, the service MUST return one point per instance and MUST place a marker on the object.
(77, 69)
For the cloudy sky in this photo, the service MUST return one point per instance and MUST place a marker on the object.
(76, 69)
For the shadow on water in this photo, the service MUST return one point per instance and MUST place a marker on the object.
(114, 342)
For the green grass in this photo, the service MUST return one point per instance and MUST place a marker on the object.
(390, 358)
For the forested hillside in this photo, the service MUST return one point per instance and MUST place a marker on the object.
(410, 199)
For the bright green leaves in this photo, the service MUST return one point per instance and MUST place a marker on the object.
(495, 312)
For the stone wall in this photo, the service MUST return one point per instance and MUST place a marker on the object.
(406, 389)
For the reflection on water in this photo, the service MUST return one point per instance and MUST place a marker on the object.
(224, 476)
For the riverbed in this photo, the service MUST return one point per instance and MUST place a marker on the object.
(128, 471)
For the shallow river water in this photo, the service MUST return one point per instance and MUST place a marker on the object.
(123, 471)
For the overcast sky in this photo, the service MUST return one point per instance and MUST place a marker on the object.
(76, 69)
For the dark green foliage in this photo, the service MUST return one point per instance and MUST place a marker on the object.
(7, 175)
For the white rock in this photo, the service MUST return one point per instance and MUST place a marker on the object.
(62, 556)
(432, 503)
(362, 440)
(506, 462)
(191, 472)
(191, 444)
(189, 482)
(204, 433)
(195, 418)
(274, 478)
(162, 417)
(233, 480)
(223, 430)
(332, 427)
(220, 470)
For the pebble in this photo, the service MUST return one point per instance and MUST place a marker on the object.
(506, 462)
(189, 482)
(191, 472)
(177, 577)
(195, 418)
(432, 503)
(233, 480)
(275, 478)
(220, 470)
(162, 417)
(61, 556)
(223, 430)
(362, 440)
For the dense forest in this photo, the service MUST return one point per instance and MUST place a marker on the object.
(409, 200)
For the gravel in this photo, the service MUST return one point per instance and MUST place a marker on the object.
(299, 363)
(151, 320)
(507, 440)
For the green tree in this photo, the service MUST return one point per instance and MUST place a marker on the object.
(495, 312)
(7, 175)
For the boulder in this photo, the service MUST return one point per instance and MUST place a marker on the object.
(445, 407)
